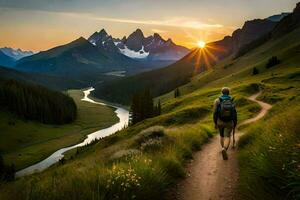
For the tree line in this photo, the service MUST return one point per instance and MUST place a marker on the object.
(35, 102)
(142, 107)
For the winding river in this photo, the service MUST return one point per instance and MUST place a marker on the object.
(123, 116)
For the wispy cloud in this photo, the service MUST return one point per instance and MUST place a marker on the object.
(182, 22)
(174, 22)
(158, 30)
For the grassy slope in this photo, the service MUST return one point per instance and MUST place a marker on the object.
(27, 142)
(157, 155)
(52, 82)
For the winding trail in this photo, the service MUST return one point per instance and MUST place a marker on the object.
(210, 177)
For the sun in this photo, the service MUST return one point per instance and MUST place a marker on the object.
(201, 44)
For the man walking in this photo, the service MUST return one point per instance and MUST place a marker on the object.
(225, 119)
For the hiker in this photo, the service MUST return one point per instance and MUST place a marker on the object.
(225, 119)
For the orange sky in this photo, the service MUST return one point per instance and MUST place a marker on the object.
(39, 25)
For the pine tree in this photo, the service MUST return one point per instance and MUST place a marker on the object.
(158, 108)
(176, 92)
(272, 62)
(142, 107)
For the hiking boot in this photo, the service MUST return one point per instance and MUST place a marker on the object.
(224, 154)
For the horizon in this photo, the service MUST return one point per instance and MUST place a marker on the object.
(41, 25)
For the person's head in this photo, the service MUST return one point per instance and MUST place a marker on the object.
(225, 91)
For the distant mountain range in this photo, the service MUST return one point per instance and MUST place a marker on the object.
(9, 56)
(137, 46)
(16, 53)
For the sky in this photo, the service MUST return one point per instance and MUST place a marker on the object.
(42, 24)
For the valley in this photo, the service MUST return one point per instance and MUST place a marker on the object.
(33, 141)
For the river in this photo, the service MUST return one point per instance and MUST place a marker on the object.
(123, 116)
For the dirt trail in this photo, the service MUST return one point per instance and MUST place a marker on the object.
(210, 177)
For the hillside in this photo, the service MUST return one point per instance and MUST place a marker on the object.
(145, 160)
(52, 82)
(198, 60)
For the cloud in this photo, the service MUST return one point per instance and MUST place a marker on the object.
(158, 30)
(174, 22)
(182, 22)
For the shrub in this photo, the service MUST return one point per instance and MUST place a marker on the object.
(153, 132)
(255, 71)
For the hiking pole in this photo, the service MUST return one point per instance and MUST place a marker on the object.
(233, 138)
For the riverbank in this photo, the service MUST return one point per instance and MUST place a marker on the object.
(24, 143)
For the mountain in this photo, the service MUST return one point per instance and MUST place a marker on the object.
(104, 42)
(79, 60)
(16, 53)
(166, 79)
(251, 31)
(6, 60)
(288, 23)
(137, 46)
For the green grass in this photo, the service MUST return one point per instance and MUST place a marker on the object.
(26, 142)
(269, 156)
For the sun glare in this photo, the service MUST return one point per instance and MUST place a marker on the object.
(201, 44)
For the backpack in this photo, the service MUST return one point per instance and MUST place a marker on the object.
(226, 108)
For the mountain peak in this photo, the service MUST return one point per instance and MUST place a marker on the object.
(80, 39)
(103, 32)
(170, 41)
(138, 33)
(157, 36)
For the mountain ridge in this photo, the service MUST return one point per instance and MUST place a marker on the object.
(16, 53)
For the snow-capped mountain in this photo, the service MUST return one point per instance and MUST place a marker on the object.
(16, 53)
(104, 41)
(137, 46)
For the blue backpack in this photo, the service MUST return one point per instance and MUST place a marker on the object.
(226, 108)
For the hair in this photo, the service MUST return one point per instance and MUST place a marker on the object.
(225, 91)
